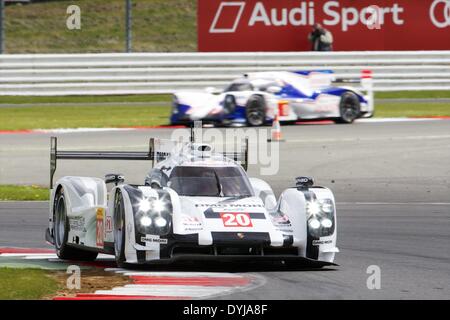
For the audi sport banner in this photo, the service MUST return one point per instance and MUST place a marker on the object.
(283, 25)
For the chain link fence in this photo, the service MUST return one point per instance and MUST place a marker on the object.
(89, 26)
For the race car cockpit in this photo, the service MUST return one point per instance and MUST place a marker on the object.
(203, 181)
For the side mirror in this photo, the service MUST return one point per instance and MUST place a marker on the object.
(274, 89)
(115, 178)
(304, 183)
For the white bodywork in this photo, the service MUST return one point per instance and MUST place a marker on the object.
(205, 104)
(207, 219)
(314, 102)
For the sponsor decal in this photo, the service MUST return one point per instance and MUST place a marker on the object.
(236, 219)
(440, 13)
(284, 25)
(188, 220)
(281, 220)
(100, 214)
(153, 239)
(229, 205)
(108, 224)
(227, 8)
(319, 242)
(77, 224)
(191, 223)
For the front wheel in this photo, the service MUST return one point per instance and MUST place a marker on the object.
(256, 111)
(349, 108)
(119, 229)
(61, 233)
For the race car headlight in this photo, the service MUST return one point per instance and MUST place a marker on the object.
(159, 205)
(320, 216)
(152, 216)
(160, 222)
(145, 221)
(144, 205)
(326, 205)
(313, 208)
(314, 223)
(326, 223)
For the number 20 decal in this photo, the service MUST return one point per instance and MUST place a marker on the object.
(236, 219)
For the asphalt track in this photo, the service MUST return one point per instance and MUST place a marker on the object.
(391, 181)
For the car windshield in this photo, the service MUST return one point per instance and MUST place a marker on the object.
(239, 86)
(210, 182)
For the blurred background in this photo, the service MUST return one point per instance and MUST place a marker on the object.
(39, 26)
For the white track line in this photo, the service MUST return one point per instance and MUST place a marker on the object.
(167, 290)
(41, 257)
(90, 130)
(194, 291)
(397, 203)
(77, 130)
(23, 254)
(383, 120)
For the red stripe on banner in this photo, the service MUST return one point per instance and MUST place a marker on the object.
(93, 296)
(26, 250)
(192, 281)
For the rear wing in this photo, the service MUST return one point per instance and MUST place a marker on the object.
(154, 153)
(324, 78)
(365, 80)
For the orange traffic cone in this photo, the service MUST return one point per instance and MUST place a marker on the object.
(276, 131)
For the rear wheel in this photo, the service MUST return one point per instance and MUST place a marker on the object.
(349, 107)
(256, 111)
(119, 229)
(61, 233)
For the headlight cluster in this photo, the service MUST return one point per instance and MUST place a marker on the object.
(320, 217)
(153, 216)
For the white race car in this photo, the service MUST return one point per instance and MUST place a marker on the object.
(194, 204)
(256, 99)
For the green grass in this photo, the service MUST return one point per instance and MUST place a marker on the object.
(167, 97)
(23, 193)
(413, 94)
(48, 117)
(84, 115)
(388, 110)
(26, 284)
(158, 25)
(85, 99)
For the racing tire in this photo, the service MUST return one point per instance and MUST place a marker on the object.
(349, 107)
(119, 230)
(61, 233)
(255, 111)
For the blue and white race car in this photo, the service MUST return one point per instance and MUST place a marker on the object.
(256, 98)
